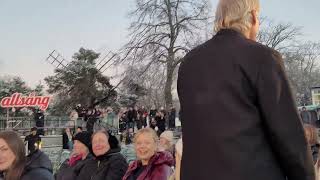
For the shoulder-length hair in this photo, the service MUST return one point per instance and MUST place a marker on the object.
(311, 134)
(16, 145)
(235, 14)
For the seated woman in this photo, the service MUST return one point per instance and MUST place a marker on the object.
(108, 164)
(150, 164)
(166, 142)
(72, 167)
(14, 165)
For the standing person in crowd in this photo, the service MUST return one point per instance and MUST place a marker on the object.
(241, 106)
(108, 164)
(39, 118)
(14, 165)
(306, 116)
(161, 122)
(150, 164)
(139, 121)
(144, 114)
(123, 120)
(153, 123)
(131, 118)
(172, 119)
(33, 139)
(71, 168)
(166, 142)
(153, 112)
(67, 139)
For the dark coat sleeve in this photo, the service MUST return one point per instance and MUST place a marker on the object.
(281, 119)
(38, 173)
(117, 168)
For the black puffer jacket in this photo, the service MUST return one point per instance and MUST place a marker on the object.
(38, 166)
(110, 166)
(67, 172)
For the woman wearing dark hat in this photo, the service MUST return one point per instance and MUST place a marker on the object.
(73, 166)
(108, 164)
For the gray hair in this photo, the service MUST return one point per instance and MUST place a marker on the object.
(235, 14)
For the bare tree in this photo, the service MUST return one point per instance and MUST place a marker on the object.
(279, 36)
(163, 31)
(302, 65)
(301, 58)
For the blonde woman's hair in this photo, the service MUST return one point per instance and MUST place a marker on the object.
(235, 14)
(146, 131)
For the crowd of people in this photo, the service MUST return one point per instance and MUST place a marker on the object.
(94, 156)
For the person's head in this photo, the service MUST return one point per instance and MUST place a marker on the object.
(34, 131)
(145, 143)
(166, 140)
(12, 155)
(82, 143)
(130, 108)
(304, 108)
(311, 134)
(239, 15)
(67, 130)
(100, 143)
(79, 129)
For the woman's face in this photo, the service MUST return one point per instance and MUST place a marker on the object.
(79, 148)
(100, 144)
(145, 146)
(7, 157)
(164, 142)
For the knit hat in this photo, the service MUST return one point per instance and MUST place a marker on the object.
(168, 135)
(84, 137)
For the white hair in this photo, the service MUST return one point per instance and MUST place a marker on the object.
(235, 14)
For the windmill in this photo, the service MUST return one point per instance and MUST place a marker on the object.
(104, 63)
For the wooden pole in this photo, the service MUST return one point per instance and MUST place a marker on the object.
(7, 126)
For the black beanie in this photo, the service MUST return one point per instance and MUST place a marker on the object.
(84, 137)
(113, 141)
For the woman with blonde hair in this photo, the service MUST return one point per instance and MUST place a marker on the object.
(150, 164)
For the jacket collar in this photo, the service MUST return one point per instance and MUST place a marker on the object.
(157, 159)
(108, 154)
(230, 32)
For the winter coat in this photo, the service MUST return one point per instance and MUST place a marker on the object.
(38, 166)
(110, 166)
(239, 118)
(306, 117)
(172, 119)
(158, 168)
(67, 172)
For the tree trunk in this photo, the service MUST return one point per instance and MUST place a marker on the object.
(168, 87)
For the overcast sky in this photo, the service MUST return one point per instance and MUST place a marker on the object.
(30, 30)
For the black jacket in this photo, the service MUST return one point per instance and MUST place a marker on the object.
(67, 172)
(239, 118)
(111, 166)
(38, 166)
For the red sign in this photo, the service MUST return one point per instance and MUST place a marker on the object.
(17, 100)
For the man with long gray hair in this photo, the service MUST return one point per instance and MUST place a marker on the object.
(239, 118)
